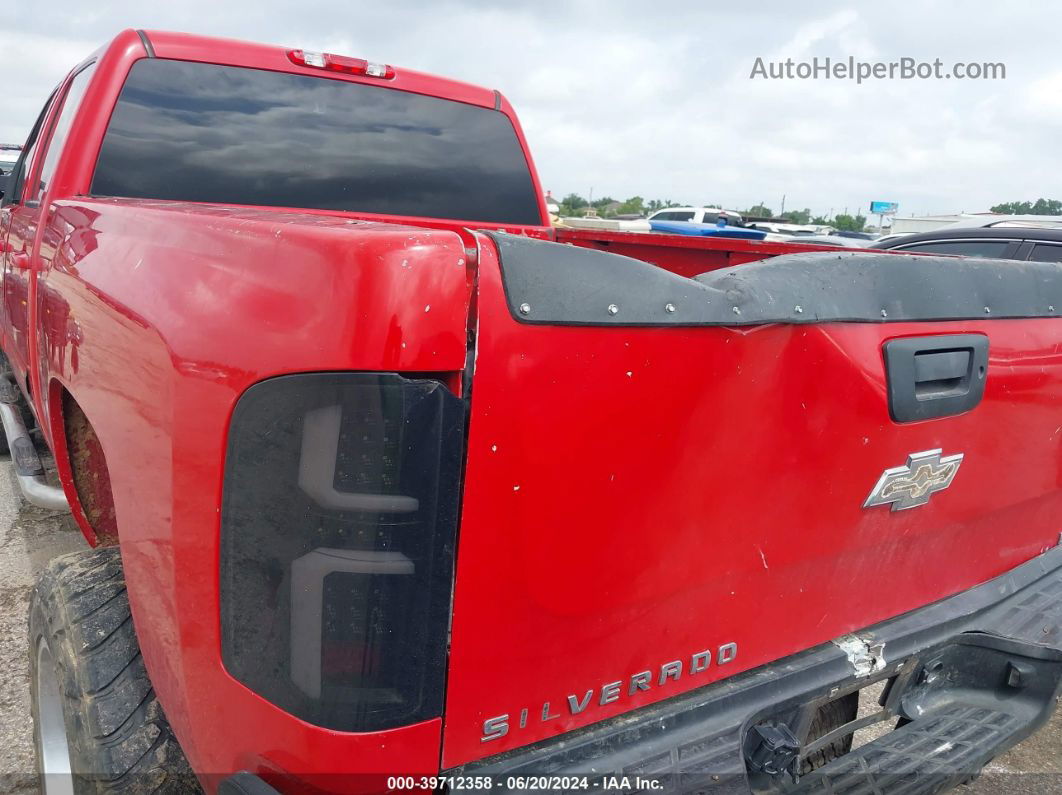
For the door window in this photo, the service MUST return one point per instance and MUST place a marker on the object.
(1046, 252)
(25, 160)
(61, 130)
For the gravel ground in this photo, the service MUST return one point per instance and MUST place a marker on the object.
(29, 537)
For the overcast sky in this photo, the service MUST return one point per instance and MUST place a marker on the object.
(655, 99)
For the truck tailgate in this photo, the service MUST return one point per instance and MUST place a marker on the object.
(649, 509)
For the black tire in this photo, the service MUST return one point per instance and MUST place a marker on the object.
(119, 739)
(828, 717)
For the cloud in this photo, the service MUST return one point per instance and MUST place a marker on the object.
(34, 65)
(1043, 97)
(634, 98)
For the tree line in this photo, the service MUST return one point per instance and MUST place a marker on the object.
(607, 207)
(1038, 207)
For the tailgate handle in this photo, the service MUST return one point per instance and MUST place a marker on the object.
(938, 376)
(941, 373)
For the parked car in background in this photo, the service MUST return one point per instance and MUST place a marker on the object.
(697, 215)
(1018, 241)
(998, 220)
(791, 230)
(8, 157)
(827, 240)
(879, 243)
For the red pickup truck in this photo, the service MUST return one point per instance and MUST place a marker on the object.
(389, 485)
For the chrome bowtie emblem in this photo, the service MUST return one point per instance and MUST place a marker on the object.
(912, 485)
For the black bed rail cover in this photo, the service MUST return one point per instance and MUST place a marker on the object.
(557, 284)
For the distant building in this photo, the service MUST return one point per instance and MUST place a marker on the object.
(925, 223)
(930, 223)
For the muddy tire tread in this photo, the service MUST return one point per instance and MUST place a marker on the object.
(120, 740)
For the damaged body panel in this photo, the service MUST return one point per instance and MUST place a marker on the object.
(635, 494)
(865, 655)
(968, 677)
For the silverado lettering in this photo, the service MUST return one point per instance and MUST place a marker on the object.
(497, 727)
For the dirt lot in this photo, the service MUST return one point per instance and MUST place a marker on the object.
(29, 537)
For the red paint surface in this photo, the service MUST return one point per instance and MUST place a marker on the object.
(635, 496)
(165, 315)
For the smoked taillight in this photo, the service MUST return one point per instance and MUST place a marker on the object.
(341, 63)
(338, 524)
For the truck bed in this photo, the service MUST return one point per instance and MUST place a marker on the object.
(681, 254)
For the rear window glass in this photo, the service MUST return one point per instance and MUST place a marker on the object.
(209, 133)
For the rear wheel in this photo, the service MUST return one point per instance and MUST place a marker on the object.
(98, 727)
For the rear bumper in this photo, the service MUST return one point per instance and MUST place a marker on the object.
(967, 677)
